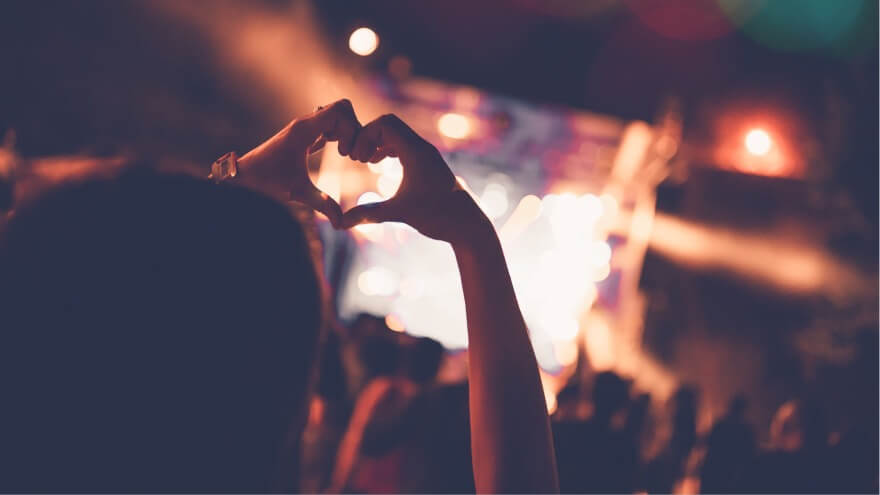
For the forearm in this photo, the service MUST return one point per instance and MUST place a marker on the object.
(511, 442)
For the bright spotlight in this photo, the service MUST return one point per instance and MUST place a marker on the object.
(369, 197)
(494, 200)
(454, 125)
(758, 142)
(394, 323)
(377, 281)
(363, 41)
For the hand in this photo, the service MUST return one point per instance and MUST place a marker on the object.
(429, 199)
(279, 166)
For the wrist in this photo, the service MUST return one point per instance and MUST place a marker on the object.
(254, 173)
(476, 234)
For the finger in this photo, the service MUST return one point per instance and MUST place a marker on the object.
(323, 203)
(386, 211)
(395, 134)
(379, 155)
(391, 134)
(318, 145)
(366, 143)
(347, 130)
(335, 122)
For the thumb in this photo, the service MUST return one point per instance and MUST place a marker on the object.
(370, 213)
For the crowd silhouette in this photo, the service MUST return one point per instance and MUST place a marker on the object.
(409, 434)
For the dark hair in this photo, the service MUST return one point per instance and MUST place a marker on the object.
(424, 359)
(159, 334)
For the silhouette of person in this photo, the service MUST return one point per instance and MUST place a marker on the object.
(668, 467)
(592, 455)
(730, 452)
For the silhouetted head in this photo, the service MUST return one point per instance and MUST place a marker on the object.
(158, 335)
(568, 401)
(737, 407)
(377, 347)
(423, 359)
(685, 402)
(610, 393)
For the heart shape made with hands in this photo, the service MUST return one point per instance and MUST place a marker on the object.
(427, 187)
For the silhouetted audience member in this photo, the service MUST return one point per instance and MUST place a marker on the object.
(329, 412)
(376, 348)
(593, 456)
(387, 447)
(158, 335)
(730, 452)
(668, 467)
(855, 456)
(633, 431)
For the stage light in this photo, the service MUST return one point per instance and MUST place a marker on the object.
(559, 327)
(412, 288)
(601, 272)
(376, 281)
(371, 231)
(390, 165)
(590, 206)
(391, 174)
(363, 41)
(330, 181)
(454, 125)
(758, 142)
(394, 323)
(598, 343)
(550, 400)
(494, 201)
(566, 352)
(527, 211)
(599, 253)
(388, 185)
(609, 206)
(369, 197)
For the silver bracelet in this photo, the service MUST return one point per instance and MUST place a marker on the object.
(224, 168)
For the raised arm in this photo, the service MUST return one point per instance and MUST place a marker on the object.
(510, 431)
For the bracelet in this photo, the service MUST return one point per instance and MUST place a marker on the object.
(225, 167)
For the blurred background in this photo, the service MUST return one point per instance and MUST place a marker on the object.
(686, 190)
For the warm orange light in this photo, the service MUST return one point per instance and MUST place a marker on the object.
(363, 41)
(454, 125)
(394, 323)
(758, 142)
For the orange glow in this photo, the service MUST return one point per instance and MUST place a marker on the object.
(363, 41)
(787, 264)
(526, 212)
(758, 142)
(454, 125)
(566, 352)
(550, 398)
(770, 141)
(394, 323)
(599, 347)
